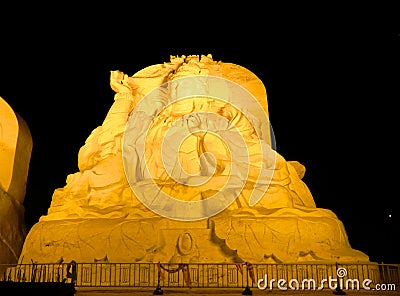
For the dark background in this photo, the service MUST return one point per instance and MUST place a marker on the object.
(332, 95)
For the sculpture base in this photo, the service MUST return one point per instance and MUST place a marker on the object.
(279, 236)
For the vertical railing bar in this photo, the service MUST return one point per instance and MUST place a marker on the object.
(115, 277)
(218, 275)
(96, 274)
(119, 275)
(134, 275)
(129, 274)
(140, 275)
(202, 270)
(152, 279)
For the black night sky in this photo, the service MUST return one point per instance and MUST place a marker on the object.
(331, 94)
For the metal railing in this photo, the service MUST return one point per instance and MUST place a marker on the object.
(205, 275)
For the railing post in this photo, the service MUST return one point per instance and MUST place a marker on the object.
(247, 290)
(338, 290)
(158, 290)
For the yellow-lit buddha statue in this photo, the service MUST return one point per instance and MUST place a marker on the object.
(183, 169)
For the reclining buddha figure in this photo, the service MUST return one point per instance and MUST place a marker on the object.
(184, 169)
